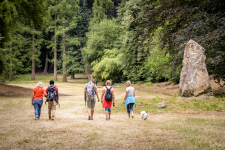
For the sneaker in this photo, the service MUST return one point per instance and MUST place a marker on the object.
(107, 118)
(128, 117)
(132, 116)
(89, 117)
(36, 118)
(52, 118)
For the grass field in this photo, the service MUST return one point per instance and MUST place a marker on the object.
(190, 124)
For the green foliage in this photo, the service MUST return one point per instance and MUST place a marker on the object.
(21, 43)
(202, 21)
(159, 60)
(110, 67)
(100, 7)
(12, 12)
(102, 36)
(74, 57)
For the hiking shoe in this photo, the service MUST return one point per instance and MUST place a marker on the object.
(49, 117)
(89, 117)
(52, 118)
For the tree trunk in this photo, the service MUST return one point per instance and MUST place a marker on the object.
(46, 62)
(64, 55)
(55, 55)
(10, 65)
(3, 74)
(72, 75)
(33, 60)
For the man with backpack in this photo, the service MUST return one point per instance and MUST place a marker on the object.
(90, 90)
(52, 99)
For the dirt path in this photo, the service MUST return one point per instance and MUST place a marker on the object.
(72, 130)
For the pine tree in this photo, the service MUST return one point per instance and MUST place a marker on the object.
(20, 51)
(30, 12)
(100, 7)
(53, 7)
(68, 16)
(74, 56)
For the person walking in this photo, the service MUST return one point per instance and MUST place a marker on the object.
(53, 97)
(129, 99)
(107, 98)
(90, 90)
(37, 99)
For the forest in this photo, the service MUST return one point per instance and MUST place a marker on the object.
(136, 40)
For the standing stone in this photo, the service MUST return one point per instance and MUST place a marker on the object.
(194, 78)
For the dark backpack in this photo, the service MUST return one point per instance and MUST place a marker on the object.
(108, 95)
(51, 93)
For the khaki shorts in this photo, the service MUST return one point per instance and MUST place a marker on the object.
(91, 103)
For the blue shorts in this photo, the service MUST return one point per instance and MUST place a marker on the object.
(108, 109)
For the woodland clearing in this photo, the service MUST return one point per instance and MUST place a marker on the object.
(190, 124)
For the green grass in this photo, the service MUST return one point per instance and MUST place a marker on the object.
(173, 105)
(27, 77)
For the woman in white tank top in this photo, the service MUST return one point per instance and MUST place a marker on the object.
(129, 99)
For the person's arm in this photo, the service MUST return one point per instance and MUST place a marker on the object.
(96, 92)
(57, 95)
(125, 97)
(32, 97)
(103, 93)
(113, 97)
(45, 94)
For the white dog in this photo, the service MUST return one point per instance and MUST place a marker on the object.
(144, 115)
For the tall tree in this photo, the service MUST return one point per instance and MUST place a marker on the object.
(31, 12)
(10, 64)
(74, 56)
(68, 15)
(53, 7)
(33, 57)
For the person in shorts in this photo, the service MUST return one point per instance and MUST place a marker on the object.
(90, 91)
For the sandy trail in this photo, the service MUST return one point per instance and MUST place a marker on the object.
(72, 130)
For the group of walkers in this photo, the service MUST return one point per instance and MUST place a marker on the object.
(90, 93)
(52, 98)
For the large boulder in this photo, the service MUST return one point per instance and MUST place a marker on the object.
(194, 79)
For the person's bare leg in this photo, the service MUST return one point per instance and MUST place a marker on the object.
(109, 114)
(89, 113)
(128, 115)
(106, 114)
(92, 113)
